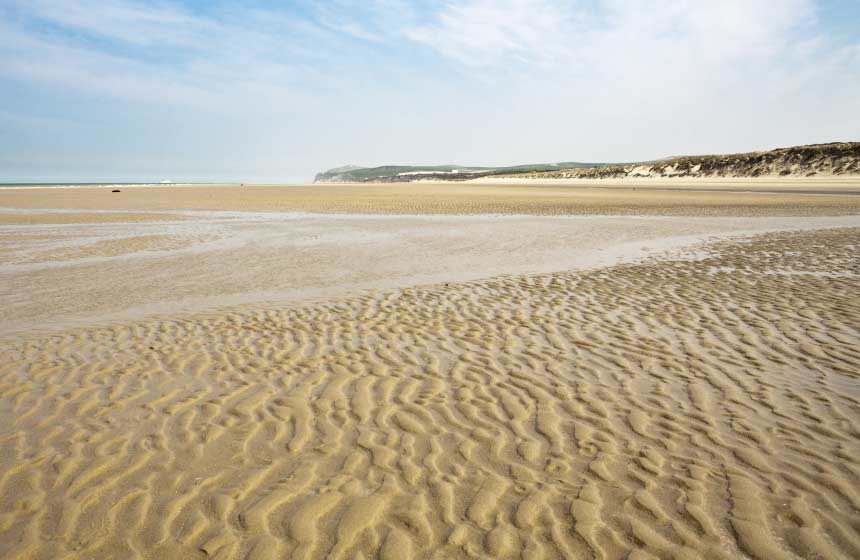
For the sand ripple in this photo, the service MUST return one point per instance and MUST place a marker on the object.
(680, 409)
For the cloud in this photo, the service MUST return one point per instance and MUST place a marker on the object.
(601, 63)
(119, 47)
(585, 35)
(491, 32)
(129, 22)
(47, 60)
(160, 53)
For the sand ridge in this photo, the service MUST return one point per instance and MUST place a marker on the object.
(671, 409)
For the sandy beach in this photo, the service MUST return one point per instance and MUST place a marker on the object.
(503, 370)
(654, 197)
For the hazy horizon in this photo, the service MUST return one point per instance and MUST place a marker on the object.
(133, 91)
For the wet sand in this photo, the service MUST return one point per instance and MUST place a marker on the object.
(291, 385)
(67, 274)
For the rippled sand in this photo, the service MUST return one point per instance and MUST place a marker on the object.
(704, 403)
(675, 408)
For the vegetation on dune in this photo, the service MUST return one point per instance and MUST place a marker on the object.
(837, 158)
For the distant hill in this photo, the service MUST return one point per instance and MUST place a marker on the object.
(392, 173)
(838, 158)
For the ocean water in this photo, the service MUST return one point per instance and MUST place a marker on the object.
(104, 184)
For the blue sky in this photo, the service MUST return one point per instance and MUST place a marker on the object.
(132, 90)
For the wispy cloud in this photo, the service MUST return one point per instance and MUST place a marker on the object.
(113, 45)
(159, 52)
(549, 33)
(490, 32)
(129, 22)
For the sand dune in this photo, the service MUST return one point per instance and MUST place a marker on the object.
(680, 408)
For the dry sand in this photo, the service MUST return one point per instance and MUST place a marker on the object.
(840, 184)
(705, 197)
(428, 386)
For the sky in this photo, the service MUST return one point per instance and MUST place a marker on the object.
(266, 91)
